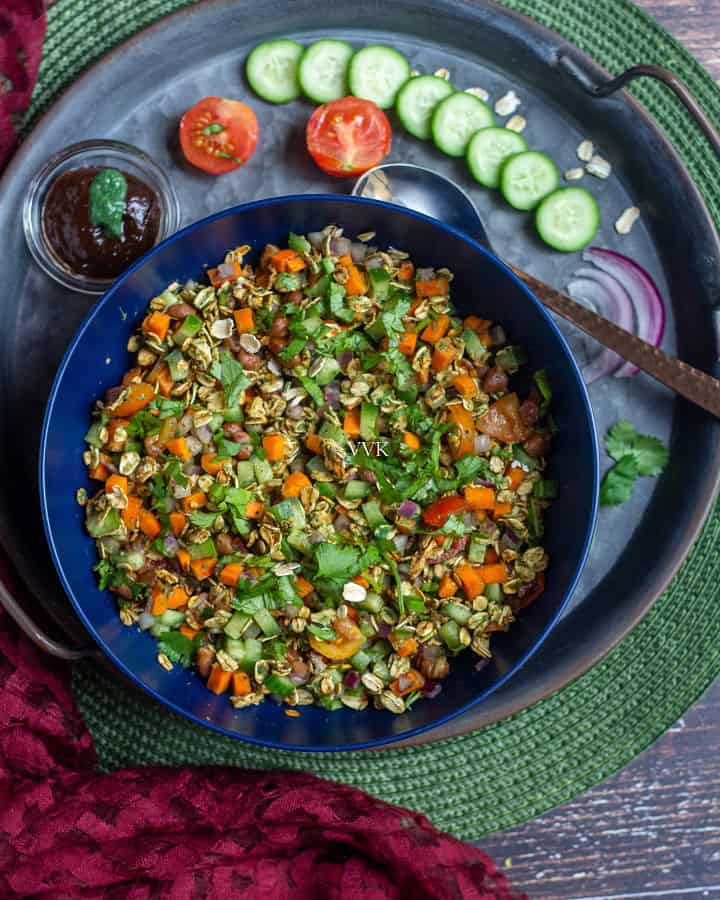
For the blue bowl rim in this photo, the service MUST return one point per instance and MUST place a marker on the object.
(103, 300)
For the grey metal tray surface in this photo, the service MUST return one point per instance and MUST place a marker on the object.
(138, 93)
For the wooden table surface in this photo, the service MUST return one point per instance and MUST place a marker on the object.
(653, 831)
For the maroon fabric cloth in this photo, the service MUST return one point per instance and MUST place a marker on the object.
(22, 29)
(68, 831)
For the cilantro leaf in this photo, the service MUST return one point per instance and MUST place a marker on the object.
(232, 376)
(649, 452)
(336, 296)
(617, 485)
(167, 407)
(178, 647)
(142, 424)
(225, 448)
(203, 519)
(334, 561)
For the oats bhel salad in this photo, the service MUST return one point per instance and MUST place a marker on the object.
(318, 484)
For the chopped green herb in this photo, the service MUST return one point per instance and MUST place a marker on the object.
(108, 195)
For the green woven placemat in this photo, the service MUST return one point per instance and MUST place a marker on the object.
(517, 769)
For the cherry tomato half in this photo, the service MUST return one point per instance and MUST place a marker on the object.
(348, 136)
(218, 135)
(437, 514)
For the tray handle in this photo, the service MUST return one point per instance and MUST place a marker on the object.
(607, 87)
(36, 634)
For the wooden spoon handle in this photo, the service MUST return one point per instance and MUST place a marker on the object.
(690, 383)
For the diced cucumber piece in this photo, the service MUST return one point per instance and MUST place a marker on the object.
(263, 470)
(488, 150)
(172, 618)
(245, 472)
(189, 328)
(235, 648)
(568, 219)
(368, 421)
(379, 650)
(93, 435)
(328, 372)
(299, 243)
(493, 593)
(279, 685)
(322, 72)
(290, 281)
(326, 489)
(236, 625)
(382, 670)
(360, 661)
(373, 514)
(356, 490)
(101, 524)
(526, 178)
(272, 70)
(253, 652)
(455, 121)
(511, 358)
(298, 540)
(449, 634)
(457, 612)
(377, 73)
(158, 629)
(416, 102)
(204, 550)
(289, 510)
(268, 625)
(320, 288)
(376, 331)
(477, 548)
(316, 466)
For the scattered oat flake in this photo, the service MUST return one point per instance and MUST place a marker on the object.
(442, 73)
(477, 92)
(585, 151)
(599, 167)
(574, 174)
(292, 713)
(507, 104)
(516, 123)
(626, 221)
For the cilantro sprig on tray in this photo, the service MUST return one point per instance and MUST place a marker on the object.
(635, 455)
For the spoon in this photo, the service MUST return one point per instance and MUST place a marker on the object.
(434, 195)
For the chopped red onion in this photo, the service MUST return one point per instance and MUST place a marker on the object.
(145, 621)
(185, 424)
(182, 490)
(431, 689)
(408, 509)
(482, 443)
(194, 444)
(425, 274)
(351, 680)
(374, 263)
(457, 546)
(358, 251)
(340, 246)
(202, 434)
(367, 475)
(342, 523)
(384, 629)
(170, 543)
(346, 358)
(606, 296)
(295, 412)
(331, 392)
(316, 238)
(315, 537)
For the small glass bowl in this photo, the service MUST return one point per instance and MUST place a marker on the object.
(92, 154)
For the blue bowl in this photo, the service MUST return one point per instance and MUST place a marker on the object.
(97, 358)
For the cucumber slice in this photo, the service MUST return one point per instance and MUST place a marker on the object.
(272, 69)
(322, 72)
(488, 150)
(568, 219)
(377, 73)
(528, 177)
(416, 102)
(455, 121)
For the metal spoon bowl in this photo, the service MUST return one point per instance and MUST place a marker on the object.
(421, 189)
